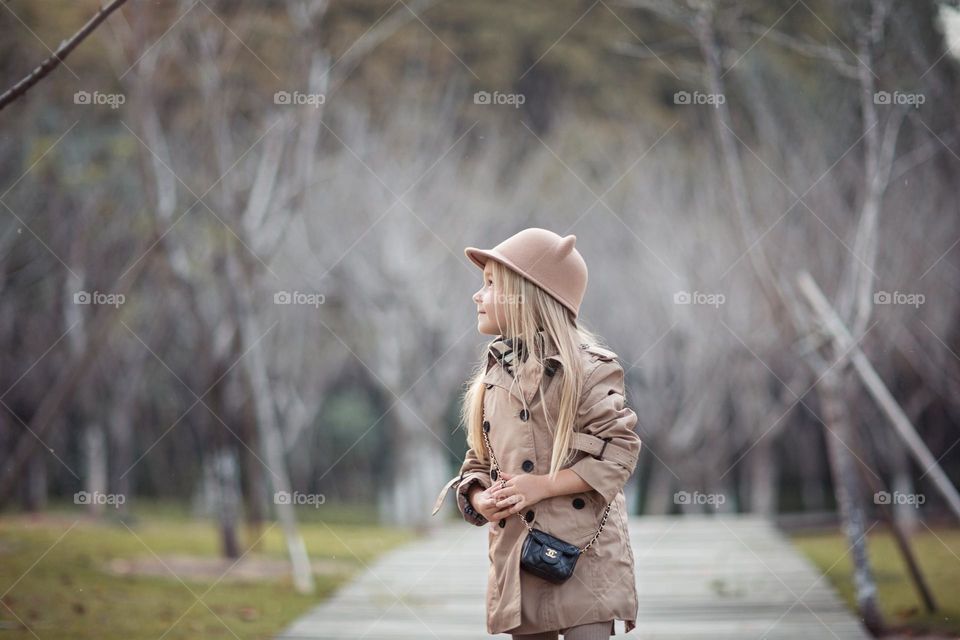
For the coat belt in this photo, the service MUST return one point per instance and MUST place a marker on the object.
(443, 492)
(603, 449)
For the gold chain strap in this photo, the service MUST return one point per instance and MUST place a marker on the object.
(503, 483)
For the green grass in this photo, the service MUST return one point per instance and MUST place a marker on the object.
(53, 569)
(938, 554)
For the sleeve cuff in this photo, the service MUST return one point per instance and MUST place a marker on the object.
(470, 514)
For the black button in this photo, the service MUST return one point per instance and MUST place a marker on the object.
(550, 370)
(578, 503)
(524, 415)
(529, 516)
(493, 474)
(486, 425)
(489, 385)
(528, 465)
(502, 523)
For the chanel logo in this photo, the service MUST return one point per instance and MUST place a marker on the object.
(551, 553)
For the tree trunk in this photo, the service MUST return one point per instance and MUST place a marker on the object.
(271, 445)
(228, 500)
(844, 343)
(121, 451)
(763, 479)
(847, 488)
(906, 515)
(659, 499)
(95, 466)
(254, 483)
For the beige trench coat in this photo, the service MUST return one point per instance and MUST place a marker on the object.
(603, 586)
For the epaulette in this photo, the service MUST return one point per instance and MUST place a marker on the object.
(603, 354)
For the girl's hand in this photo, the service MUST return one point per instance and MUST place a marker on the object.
(483, 502)
(513, 494)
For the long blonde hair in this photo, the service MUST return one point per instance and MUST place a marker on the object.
(528, 309)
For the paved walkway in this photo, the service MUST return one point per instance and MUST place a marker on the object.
(701, 577)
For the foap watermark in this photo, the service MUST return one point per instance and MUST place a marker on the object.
(898, 497)
(899, 98)
(699, 98)
(503, 298)
(95, 497)
(512, 99)
(296, 498)
(699, 298)
(112, 100)
(686, 497)
(297, 98)
(899, 297)
(299, 297)
(99, 297)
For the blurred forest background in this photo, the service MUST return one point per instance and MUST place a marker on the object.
(265, 205)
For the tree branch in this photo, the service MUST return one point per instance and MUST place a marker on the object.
(58, 56)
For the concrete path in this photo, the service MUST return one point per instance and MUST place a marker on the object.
(715, 578)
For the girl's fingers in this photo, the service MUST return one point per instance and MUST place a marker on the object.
(500, 515)
(506, 513)
(512, 511)
(507, 498)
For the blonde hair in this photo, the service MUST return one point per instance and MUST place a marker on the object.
(528, 309)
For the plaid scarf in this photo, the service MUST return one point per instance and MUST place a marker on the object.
(509, 351)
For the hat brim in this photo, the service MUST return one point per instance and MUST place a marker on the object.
(477, 256)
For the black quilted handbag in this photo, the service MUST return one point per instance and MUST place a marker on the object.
(548, 557)
(542, 554)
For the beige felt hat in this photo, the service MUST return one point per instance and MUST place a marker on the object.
(546, 259)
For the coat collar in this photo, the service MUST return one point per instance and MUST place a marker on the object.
(505, 355)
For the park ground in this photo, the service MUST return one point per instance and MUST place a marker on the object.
(159, 575)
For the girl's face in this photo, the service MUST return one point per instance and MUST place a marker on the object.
(489, 306)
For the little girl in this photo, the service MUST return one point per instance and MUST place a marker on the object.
(550, 400)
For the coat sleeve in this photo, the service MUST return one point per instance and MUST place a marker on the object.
(472, 470)
(602, 413)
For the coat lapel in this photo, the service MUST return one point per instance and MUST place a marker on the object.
(505, 355)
